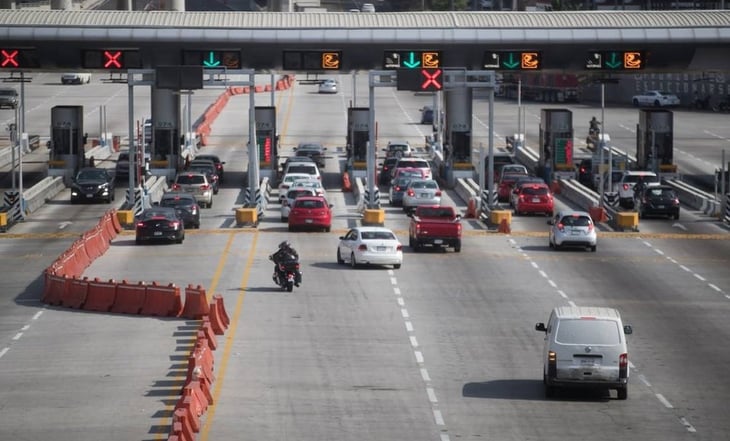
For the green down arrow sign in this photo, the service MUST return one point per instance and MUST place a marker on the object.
(511, 63)
(612, 62)
(211, 61)
(411, 62)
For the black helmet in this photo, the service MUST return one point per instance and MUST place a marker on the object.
(284, 244)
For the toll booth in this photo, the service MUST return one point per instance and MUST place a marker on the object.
(267, 141)
(556, 144)
(458, 126)
(165, 150)
(654, 141)
(67, 151)
(358, 133)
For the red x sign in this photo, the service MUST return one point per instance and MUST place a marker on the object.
(8, 57)
(112, 59)
(432, 80)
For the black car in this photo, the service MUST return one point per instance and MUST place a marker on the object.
(385, 172)
(426, 115)
(659, 200)
(216, 160)
(159, 224)
(585, 172)
(209, 169)
(185, 206)
(312, 150)
(92, 184)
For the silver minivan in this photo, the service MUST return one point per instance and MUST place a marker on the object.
(585, 347)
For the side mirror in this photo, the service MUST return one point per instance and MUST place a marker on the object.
(540, 327)
(331, 205)
(628, 329)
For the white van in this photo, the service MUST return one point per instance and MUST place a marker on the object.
(585, 347)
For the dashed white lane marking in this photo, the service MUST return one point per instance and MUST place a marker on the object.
(686, 424)
(3, 351)
(424, 375)
(409, 326)
(664, 401)
(393, 281)
(445, 437)
(419, 357)
(572, 303)
(400, 301)
(713, 286)
(396, 291)
(658, 251)
(644, 380)
(37, 315)
(697, 276)
(17, 336)
(437, 416)
(404, 313)
(431, 395)
(562, 294)
(685, 268)
(413, 340)
(543, 274)
(553, 284)
(534, 265)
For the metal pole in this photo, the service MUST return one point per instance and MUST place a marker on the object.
(371, 155)
(490, 175)
(131, 149)
(653, 151)
(13, 137)
(189, 127)
(253, 151)
(519, 116)
(601, 146)
(273, 90)
(354, 90)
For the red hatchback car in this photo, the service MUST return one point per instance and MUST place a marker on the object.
(310, 212)
(534, 198)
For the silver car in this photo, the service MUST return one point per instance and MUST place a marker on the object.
(421, 192)
(570, 228)
(196, 184)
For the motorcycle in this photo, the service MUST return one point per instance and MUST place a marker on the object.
(701, 103)
(592, 138)
(723, 105)
(287, 274)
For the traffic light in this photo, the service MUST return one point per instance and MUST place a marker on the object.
(312, 60)
(111, 59)
(615, 60)
(512, 60)
(420, 80)
(412, 59)
(228, 59)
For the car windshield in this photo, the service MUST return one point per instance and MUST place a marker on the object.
(588, 332)
(157, 212)
(8, 92)
(435, 212)
(302, 169)
(645, 178)
(375, 235)
(91, 175)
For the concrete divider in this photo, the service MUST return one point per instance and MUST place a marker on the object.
(36, 196)
(578, 194)
(527, 157)
(464, 190)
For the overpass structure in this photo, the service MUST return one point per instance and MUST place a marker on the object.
(671, 41)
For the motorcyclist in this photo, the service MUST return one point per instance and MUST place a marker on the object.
(639, 189)
(285, 253)
(594, 123)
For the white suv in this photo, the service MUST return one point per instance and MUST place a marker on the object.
(625, 187)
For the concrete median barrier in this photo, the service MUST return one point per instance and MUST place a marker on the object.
(696, 198)
(36, 196)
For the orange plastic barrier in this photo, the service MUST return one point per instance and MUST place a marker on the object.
(66, 264)
(182, 426)
(162, 301)
(107, 227)
(115, 221)
(598, 214)
(471, 208)
(280, 85)
(259, 88)
(208, 333)
(75, 295)
(196, 303)
(188, 404)
(555, 187)
(55, 288)
(216, 320)
(346, 184)
(246, 89)
(100, 295)
(504, 227)
(267, 88)
(198, 402)
(218, 299)
(200, 363)
(130, 298)
(91, 239)
(81, 259)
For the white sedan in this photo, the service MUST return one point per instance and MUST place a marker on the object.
(328, 86)
(370, 246)
(655, 98)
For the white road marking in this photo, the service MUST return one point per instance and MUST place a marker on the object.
(671, 260)
(697, 276)
(664, 401)
(543, 274)
(658, 251)
(37, 315)
(409, 326)
(647, 244)
(552, 283)
(400, 301)
(419, 357)
(393, 281)
(644, 380)
(437, 416)
(685, 268)
(396, 291)
(534, 265)
(404, 312)
(713, 286)
(413, 340)
(572, 303)
(3, 352)
(431, 395)
(680, 226)
(63, 225)
(562, 294)
(686, 424)
(424, 375)
(25, 328)
(445, 437)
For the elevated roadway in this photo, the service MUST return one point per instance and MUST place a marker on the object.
(443, 348)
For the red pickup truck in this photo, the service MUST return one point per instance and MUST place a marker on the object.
(439, 226)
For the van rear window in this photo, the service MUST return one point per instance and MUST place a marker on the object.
(588, 332)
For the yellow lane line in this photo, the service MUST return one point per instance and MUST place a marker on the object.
(217, 390)
(219, 268)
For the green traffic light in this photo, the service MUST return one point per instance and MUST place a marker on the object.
(412, 62)
(212, 61)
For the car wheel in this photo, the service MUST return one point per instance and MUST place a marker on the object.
(593, 248)
(411, 242)
(623, 392)
(396, 266)
(657, 103)
(549, 391)
(197, 226)
(636, 103)
(353, 262)
(676, 215)
(339, 257)
(210, 204)
(138, 241)
(457, 246)
(550, 244)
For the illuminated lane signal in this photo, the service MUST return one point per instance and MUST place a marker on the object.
(111, 59)
(420, 80)
(512, 60)
(212, 59)
(17, 58)
(312, 60)
(615, 60)
(412, 59)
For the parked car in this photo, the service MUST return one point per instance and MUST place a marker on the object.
(437, 226)
(328, 86)
(310, 212)
(585, 347)
(196, 184)
(370, 246)
(655, 98)
(570, 228)
(421, 192)
(92, 184)
(76, 78)
(312, 150)
(534, 198)
(159, 224)
(657, 200)
(216, 160)
(291, 195)
(185, 206)
(8, 98)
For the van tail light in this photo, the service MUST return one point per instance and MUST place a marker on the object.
(552, 364)
(623, 366)
(363, 247)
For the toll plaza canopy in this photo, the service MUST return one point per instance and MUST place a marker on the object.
(564, 41)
